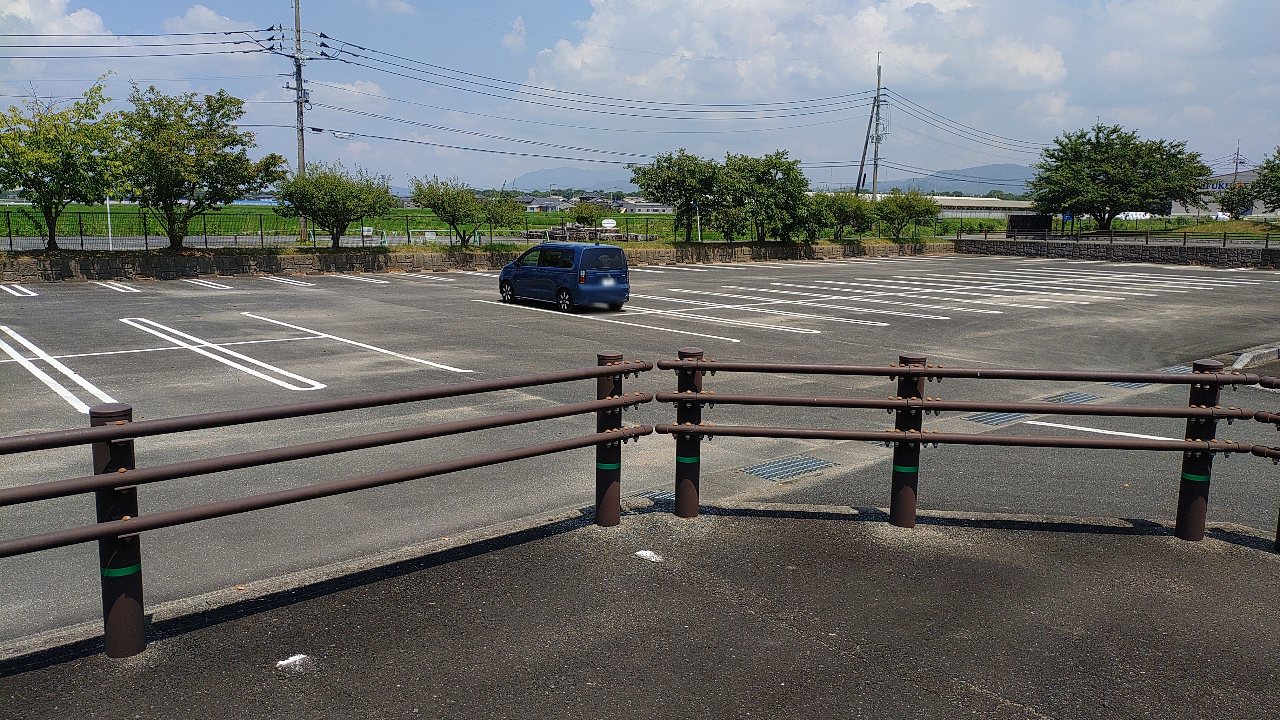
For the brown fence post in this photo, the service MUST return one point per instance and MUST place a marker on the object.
(609, 455)
(1193, 486)
(119, 558)
(688, 445)
(906, 454)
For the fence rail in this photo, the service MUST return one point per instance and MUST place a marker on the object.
(116, 479)
(910, 405)
(1184, 238)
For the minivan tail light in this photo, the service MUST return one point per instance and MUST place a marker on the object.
(582, 277)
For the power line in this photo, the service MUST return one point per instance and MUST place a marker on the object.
(349, 133)
(126, 57)
(106, 35)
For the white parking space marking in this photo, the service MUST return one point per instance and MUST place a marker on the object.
(607, 320)
(1000, 289)
(910, 288)
(680, 267)
(366, 346)
(857, 298)
(426, 276)
(220, 354)
(704, 305)
(685, 315)
(171, 348)
(19, 291)
(364, 279)
(638, 269)
(1096, 430)
(118, 287)
(861, 294)
(1026, 279)
(208, 284)
(1084, 262)
(1029, 286)
(288, 281)
(45, 378)
(476, 273)
(773, 301)
(1144, 279)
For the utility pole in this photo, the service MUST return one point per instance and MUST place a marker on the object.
(300, 100)
(875, 108)
(1235, 176)
(879, 134)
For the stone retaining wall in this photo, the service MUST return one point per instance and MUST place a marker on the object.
(1161, 254)
(168, 267)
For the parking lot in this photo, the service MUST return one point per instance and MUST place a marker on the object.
(219, 343)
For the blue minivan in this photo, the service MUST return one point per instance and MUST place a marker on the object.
(569, 274)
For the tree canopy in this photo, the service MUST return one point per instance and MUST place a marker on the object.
(678, 179)
(186, 156)
(1267, 186)
(57, 155)
(1107, 170)
(1236, 201)
(588, 214)
(453, 201)
(851, 211)
(897, 210)
(333, 197)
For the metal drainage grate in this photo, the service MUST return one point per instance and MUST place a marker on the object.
(787, 468)
(996, 418)
(1179, 369)
(1129, 385)
(1071, 398)
(658, 495)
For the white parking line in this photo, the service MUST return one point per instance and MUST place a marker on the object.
(366, 346)
(208, 284)
(909, 288)
(634, 310)
(288, 281)
(171, 348)
(638, 269)
(858, 298)
(363, 279)
(607, 320)
(19, 291)
(227, 357)
(476, 273)
(861, 295)
(118, 287)
(1028, 279)
(702, 304)
(1096, 430)
(687, 269)
(426, 276)
(772, 301)
(44, 377)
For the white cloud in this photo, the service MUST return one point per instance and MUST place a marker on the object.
(1042, 64)
(514, 40)
(201, 19)
(394, 7)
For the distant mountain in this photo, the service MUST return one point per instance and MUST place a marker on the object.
(580, 178)
(978, 180)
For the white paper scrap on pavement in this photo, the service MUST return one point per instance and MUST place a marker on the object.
(291, 660)
(649, 555)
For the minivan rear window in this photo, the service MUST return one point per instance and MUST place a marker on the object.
(603, 259)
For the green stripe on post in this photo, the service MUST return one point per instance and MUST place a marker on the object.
(907, 468)
(608, 466)
(1195, 478)
(688, 460)
(122, 572)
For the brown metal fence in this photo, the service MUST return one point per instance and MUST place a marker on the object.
(116, 479)
(910, 405)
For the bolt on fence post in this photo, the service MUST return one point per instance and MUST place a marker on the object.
(609, 455)
(906, 455)
(119, 558)
(1193, 486)
(688, 445)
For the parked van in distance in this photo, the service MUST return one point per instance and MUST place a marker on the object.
(569, 274)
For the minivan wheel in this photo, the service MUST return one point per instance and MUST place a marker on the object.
(564, 301)
(615, 306)
(505, 291)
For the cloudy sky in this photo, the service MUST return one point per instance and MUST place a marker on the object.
(489, 91)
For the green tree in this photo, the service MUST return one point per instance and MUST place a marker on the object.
(1237, 201)
(897, 210)
(453, 201)
(851, 211)
(771, 190)
(1267, 186)
(58, 155)
(588, 214)
(502, 210)
(187, 156)
(332, 197)
(677, 179)
(1107, 170)
(816, 215)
